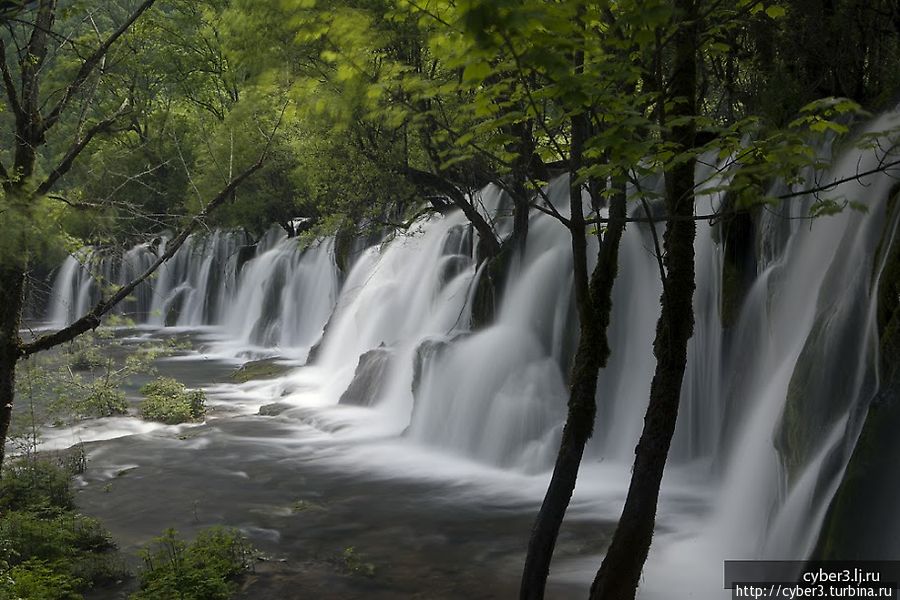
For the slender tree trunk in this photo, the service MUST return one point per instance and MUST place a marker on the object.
(523, 149)
(620, 572)
(12, 289)
(594, 301)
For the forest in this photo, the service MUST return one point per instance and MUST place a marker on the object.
(447, 298)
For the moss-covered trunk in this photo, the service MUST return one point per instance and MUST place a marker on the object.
(12, 283)
(618, 576)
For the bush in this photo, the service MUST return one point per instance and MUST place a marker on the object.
(87, 358)
(168, 401)
(47, 551)
(49, 536)
(102, 400)
(35, 485)
(206, 569)
(38, 580)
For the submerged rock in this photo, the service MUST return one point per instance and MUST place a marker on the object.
(368, 380)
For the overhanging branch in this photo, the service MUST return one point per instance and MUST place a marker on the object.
(92, 319)
(726, 213)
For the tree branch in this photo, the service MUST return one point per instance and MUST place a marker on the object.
(91, 320)
(436, 182)
(77, 147)
(726, 213)
(88, 66)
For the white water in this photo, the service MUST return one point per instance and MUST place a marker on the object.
(493, 401)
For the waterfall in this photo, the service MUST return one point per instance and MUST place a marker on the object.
(771, 402)
(274, 293)
(800, 371)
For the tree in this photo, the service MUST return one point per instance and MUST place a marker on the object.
(45, 112)
(620, 572)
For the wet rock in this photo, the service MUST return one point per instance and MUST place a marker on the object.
(274, 409)
(489, 288)
(427, 352)
(368, 380)
(451, 267)
(245, 254)
(259, 369)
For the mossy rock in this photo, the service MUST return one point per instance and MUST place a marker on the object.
(343, 249)
(259, 369)
(737, 232)
(824, 382)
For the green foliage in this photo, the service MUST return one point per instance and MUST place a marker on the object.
(35, 485)
(168, 401)
(46, 549)
(53, 534)
(81, 380)
(205, 569)
(39, 580)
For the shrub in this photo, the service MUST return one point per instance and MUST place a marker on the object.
(87, 358)
(47, 551)
(206, 569)
(35, 485)
(52, 536)
(38, 580)
(168, 401)
(102, 400)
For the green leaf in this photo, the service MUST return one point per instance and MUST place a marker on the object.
(775, 11)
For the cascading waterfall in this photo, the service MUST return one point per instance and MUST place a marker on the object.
(770, 411)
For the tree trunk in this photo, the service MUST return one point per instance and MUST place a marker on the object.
(594, 300)
(620, 572)
(12, 289)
